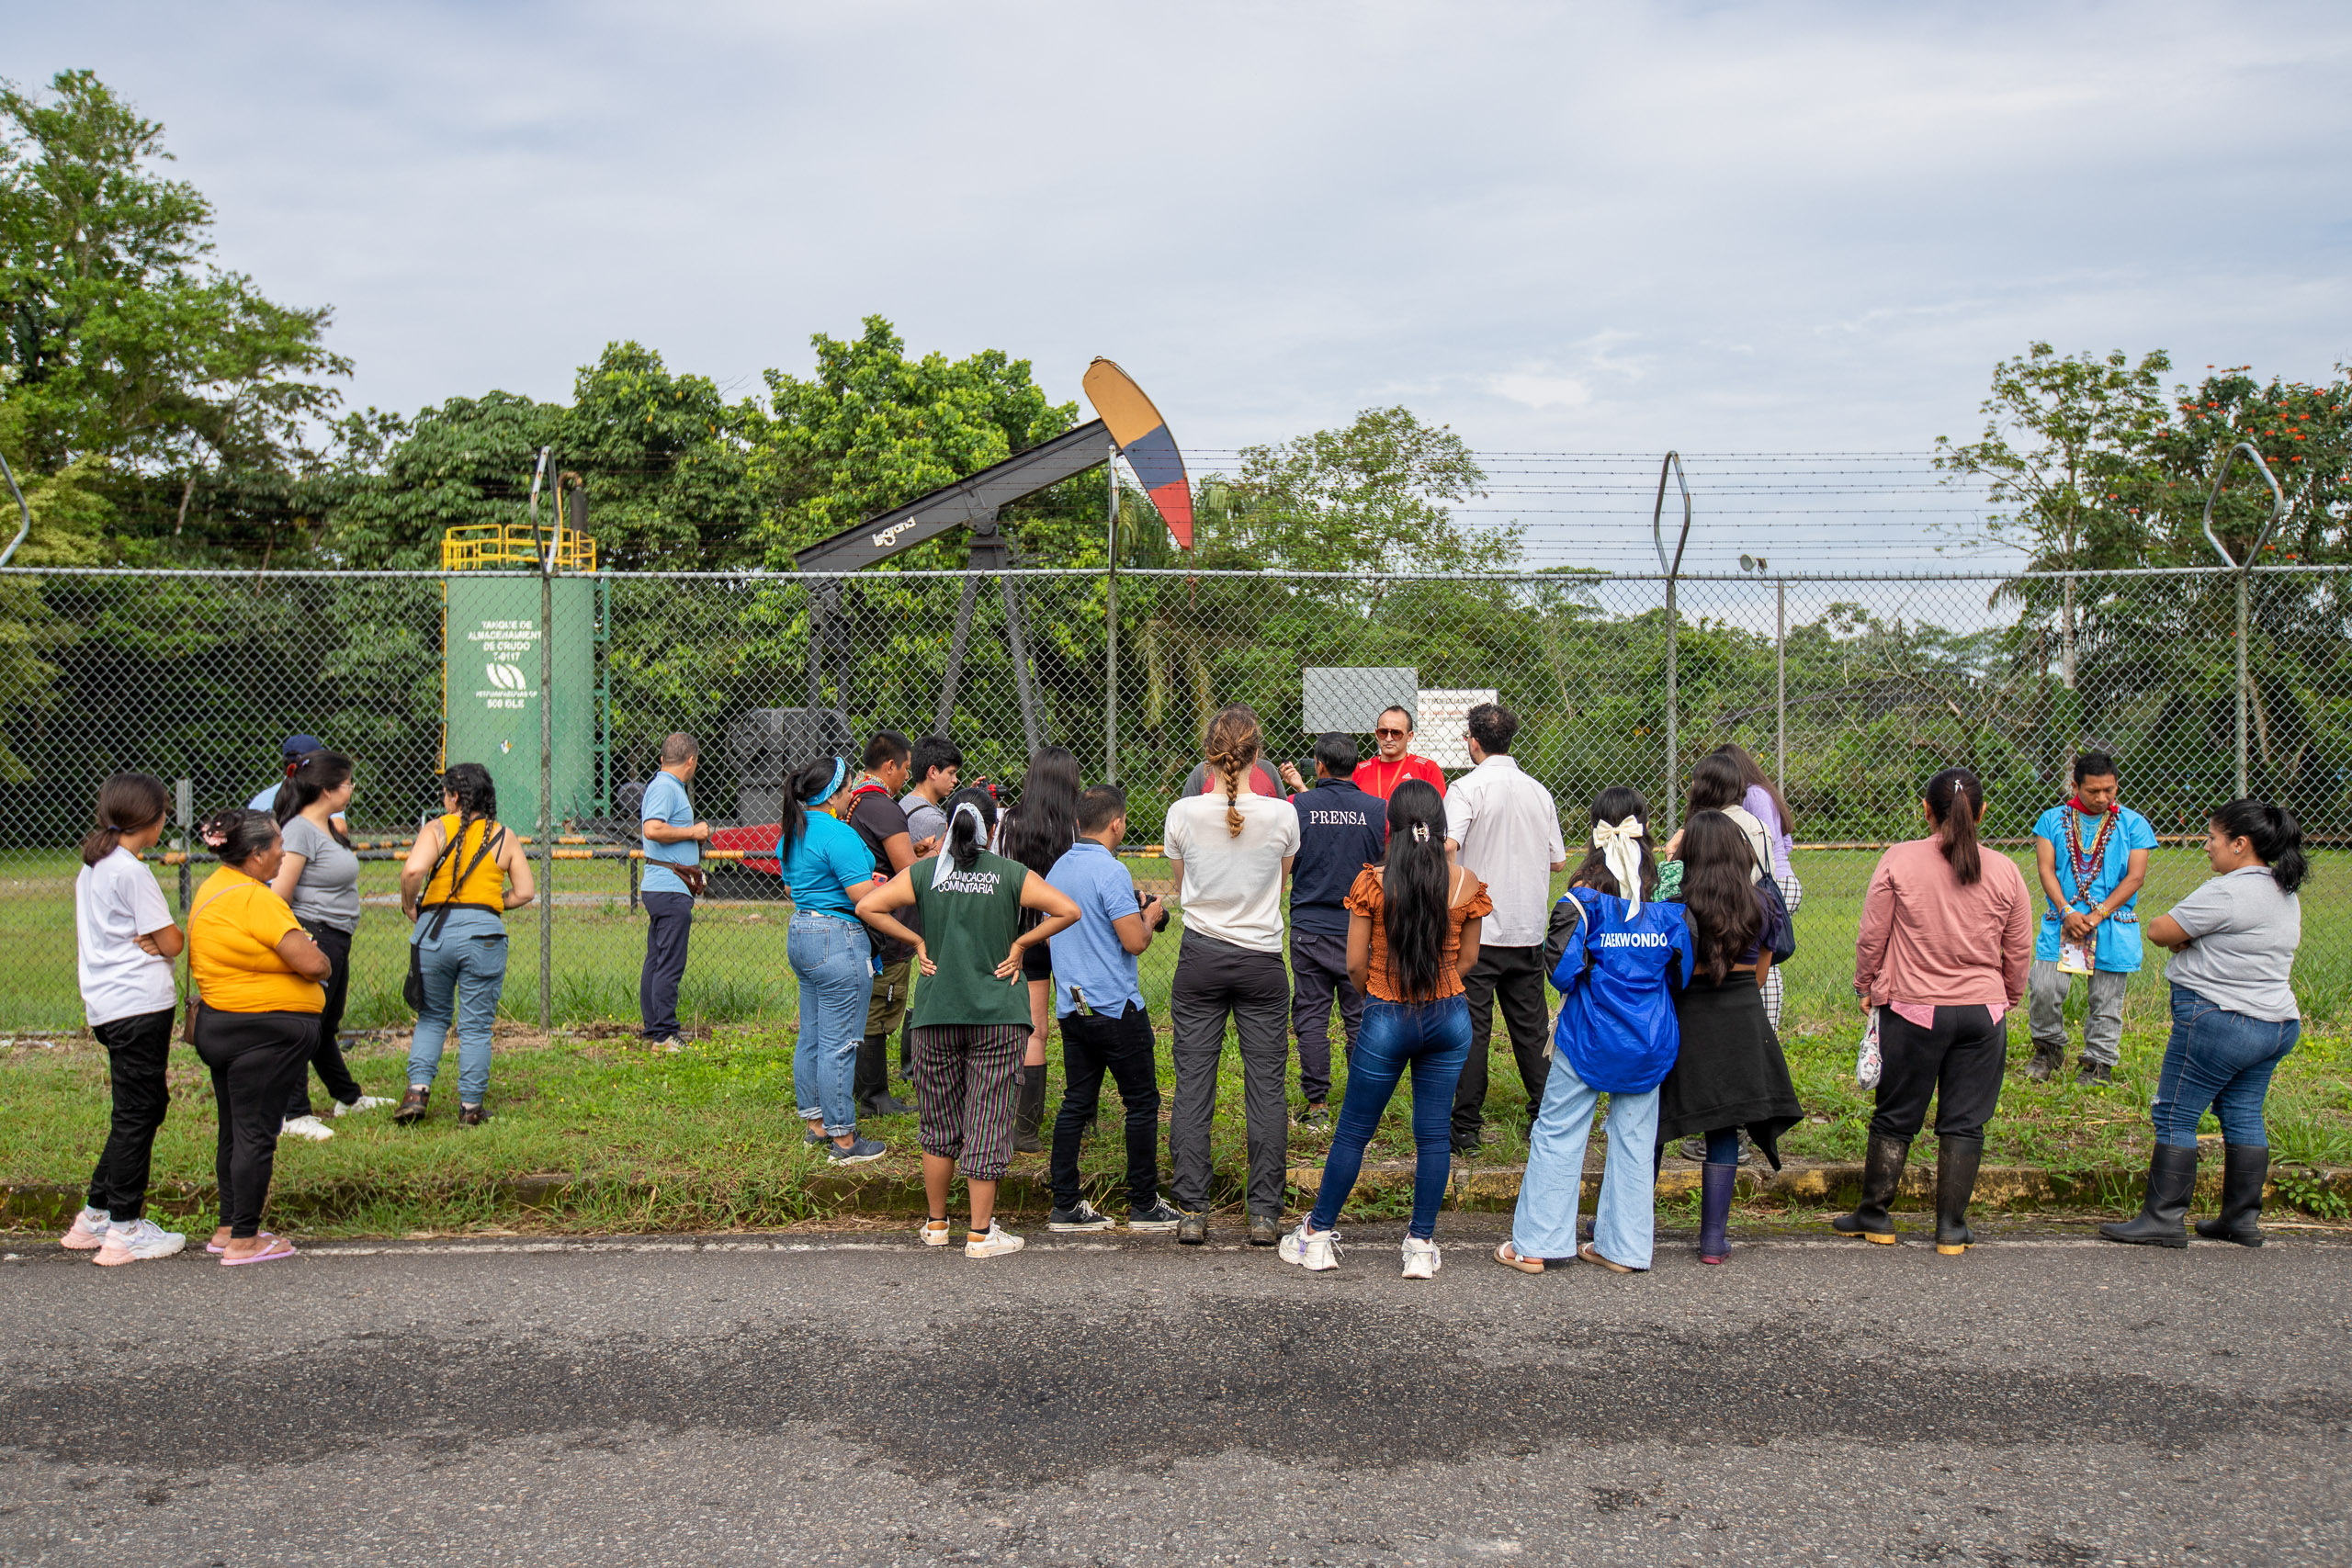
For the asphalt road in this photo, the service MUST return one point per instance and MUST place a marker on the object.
(860, 1400)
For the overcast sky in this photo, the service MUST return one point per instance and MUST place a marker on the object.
(1729, 229)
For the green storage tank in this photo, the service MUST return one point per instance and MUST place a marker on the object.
(490, 692)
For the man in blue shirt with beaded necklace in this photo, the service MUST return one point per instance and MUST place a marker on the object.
(2092, 852)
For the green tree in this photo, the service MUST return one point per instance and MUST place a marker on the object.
(127, 342)
(1373, 498)
(2061, 435)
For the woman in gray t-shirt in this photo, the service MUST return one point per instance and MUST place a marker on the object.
(320, 879)
(2234, 1020)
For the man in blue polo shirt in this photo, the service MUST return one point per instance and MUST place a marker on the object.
(1341, 829)
(1103, 1025)
(2092, 852)
(673, 842)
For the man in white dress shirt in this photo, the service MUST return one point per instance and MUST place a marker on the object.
(1503, 827)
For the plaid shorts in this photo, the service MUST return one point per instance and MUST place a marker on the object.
(965, 1093)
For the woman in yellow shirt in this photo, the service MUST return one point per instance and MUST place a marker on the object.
(463, 874)
(255, 974)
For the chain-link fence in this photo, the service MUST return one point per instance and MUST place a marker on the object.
(1851, 690)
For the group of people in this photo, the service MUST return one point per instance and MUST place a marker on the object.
(1414, 906)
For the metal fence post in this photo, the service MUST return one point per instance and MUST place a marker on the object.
(1780, 684)
(546, 743)
(1673, 460)
(186, 801)
(1111, 598)
(2244, 567)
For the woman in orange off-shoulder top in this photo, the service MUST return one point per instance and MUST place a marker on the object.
(1412, 934)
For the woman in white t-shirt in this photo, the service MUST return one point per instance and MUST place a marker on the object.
(125, 942)
(1230, 851)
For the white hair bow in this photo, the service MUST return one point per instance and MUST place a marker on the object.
(1620, 844)
(944, 864)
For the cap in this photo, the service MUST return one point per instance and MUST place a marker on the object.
(301, 746)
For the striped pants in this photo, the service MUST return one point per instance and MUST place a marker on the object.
(963, 1093)
(1792, 894)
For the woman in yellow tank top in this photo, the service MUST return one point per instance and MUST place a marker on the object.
(463, 874)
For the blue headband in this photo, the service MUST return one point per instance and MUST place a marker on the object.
(841, 771)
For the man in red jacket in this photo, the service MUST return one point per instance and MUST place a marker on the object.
(1393, 730)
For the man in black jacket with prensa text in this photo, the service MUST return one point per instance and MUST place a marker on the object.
(1341, 831)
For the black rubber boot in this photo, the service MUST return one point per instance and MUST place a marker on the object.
(2172, 1178)
(872, 1083)
(1956, 1161)
(1715, 1184)
(2244, 1168)
(1882, 1174)
(2047, 1059)
(1029, 1110)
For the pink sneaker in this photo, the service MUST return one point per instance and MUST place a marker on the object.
(88, 1231)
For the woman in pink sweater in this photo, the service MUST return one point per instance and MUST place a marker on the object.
(1945, 946)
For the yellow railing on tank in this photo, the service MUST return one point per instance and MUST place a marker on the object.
(484, 545)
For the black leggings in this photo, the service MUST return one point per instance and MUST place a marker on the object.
(254, 1056)
(327, 1056)
(137, 1049)
(1959, 1060)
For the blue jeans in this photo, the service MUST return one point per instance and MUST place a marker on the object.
(1624, 1227)
(831, 957)
(2219, 1058)
(463, 976)
(1434, 1039)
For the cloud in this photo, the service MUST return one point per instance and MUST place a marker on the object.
(1717, 228)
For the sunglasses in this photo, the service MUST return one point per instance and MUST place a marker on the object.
(1392, 733)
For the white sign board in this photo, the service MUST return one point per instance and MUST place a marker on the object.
(1437, 723)
(1348, 699)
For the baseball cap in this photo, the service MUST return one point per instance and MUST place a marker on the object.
(299, 746)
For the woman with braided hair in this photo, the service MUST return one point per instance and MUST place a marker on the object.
(1412, 934)
(1229, 851)
(462, 875)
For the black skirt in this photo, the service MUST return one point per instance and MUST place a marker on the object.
(1730, 1072)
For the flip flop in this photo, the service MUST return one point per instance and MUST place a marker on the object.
(267, 1255)
(1507, 1256)
(217, 1247)
(1591, 1253)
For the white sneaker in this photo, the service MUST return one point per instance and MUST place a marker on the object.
(1422, 1261)
(309, 1127)
(88, 1231)
(993, 1243)
(364, 1102)
(1313, 1253)
(936, 1232)
(140, 1241)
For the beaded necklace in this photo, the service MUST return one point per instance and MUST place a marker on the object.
(2086, 866)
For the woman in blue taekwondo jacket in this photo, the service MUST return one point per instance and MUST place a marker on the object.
(1613, 954)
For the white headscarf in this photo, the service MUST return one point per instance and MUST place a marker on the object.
(944, 863)
(1620, 845)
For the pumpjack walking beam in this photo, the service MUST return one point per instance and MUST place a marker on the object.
(971, 503)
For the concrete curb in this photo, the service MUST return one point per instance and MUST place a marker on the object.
(1999, 1189)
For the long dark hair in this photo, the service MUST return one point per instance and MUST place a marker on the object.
(801, 789)
(1042, 825)
(477, 796)
(316, 774)
(237, 835)
(1956, 830)
(127, 802)
(1717, 893)
(964, 843)
(1413, 890)
(1753, 777)
(2270, 829)
(1715, 783)
(1614, 805)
